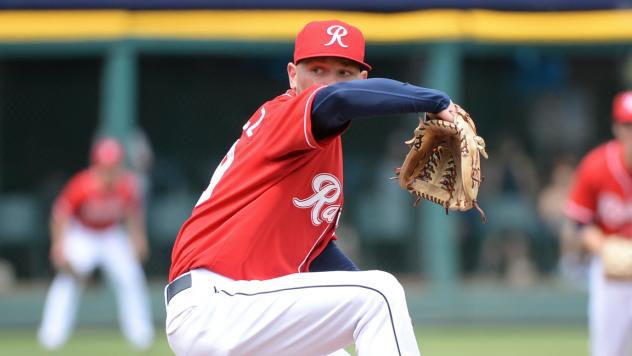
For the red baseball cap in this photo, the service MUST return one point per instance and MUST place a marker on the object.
(622, 107)
(330, 38)
(107, 152)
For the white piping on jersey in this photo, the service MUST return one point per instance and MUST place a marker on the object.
(618, 171)
(312, 249)
(579, 213)
(307, 106)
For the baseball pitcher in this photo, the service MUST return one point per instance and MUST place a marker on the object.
(255, 269)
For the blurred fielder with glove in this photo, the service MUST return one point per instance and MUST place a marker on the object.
(255, 270)
(97, 221)
(601, 202)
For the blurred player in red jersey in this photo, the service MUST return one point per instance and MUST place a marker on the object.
(255, 269)
(600, 202)
(97, 221)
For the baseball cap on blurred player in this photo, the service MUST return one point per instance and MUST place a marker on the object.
(330, 38)
(622, 107)
(107, 152)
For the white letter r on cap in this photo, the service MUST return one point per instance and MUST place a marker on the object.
(336, 32)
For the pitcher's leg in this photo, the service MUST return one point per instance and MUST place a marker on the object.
(60, 310)
(387, 327)
(306, 314)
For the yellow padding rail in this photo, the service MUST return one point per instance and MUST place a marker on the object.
(280, 25)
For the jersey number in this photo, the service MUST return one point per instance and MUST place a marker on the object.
(250, 128)
(217, 175)
(228, 160)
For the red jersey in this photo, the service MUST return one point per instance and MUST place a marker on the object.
(273, 202)
(86, 198)
(602, 191)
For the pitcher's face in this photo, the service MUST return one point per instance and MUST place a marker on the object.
(323, 71)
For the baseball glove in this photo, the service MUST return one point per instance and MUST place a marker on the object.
(616, 255)
(443, 164)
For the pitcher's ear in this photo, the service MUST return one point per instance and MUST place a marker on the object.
(291, 74)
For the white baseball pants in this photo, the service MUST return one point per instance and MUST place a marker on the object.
(111, 250)
(609, 313)
(299, 314)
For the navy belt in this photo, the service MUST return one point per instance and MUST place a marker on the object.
(177, 286)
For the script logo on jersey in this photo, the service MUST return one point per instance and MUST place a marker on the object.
(102, 210)
(613, 211)
(327, 190)
(336, 32)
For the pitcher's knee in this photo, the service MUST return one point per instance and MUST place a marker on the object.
(386, 283)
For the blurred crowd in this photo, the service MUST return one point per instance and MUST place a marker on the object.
(526, 178)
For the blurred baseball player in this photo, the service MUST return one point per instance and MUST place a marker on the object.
(600, 202)
(97, 221)
(239, 281)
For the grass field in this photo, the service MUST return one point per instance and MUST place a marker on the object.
(504, 341)
(442, 341)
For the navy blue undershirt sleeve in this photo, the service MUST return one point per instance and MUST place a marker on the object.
(332, 259)
(337, 104)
